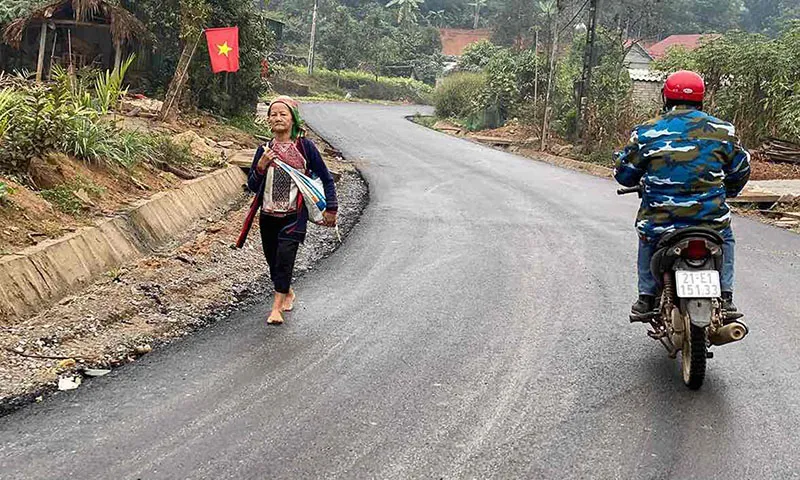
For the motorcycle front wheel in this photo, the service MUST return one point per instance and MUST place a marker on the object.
(693, 357)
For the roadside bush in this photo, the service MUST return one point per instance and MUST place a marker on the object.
(65, 116)
(477, 55)
(361, 84)
(458, 95)
(161, 149)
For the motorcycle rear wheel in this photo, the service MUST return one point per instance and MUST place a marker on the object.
(693, 357)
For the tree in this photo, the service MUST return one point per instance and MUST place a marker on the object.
(407, 10)
(342, 40)
(435, 18)
(177, 27)
(518, 18)
(235, 93)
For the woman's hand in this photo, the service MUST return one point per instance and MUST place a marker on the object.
(266, 160)
(329, 218)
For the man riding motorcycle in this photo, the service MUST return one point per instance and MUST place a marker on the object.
(688, 163)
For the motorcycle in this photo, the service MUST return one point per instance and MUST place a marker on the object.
(689, 317)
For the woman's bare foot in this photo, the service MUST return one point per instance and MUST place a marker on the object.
(275, 318)
(288, 302)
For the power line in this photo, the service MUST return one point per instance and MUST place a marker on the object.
(573, 18)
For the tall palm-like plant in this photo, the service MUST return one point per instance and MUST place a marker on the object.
(477, 5)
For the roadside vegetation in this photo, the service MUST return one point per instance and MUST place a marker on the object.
(752, 79)
(350, 84)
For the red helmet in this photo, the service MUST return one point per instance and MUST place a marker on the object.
(684, 85)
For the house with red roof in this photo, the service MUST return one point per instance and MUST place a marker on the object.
(641, 53)
(639, 56)
(687, 42)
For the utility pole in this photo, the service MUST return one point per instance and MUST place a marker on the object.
(313, 39)
(585, 87)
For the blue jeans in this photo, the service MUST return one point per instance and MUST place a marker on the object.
(647, 284)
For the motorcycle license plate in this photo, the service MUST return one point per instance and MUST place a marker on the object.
(698, 283)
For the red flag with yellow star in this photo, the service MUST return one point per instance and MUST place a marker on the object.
(223, 48)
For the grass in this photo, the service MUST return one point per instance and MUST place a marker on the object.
(599, 156)
(63, 196)
(425, 120)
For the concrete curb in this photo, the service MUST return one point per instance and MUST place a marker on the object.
(41, 275)
(592, 168)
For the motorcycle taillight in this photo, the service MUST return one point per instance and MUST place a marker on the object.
(696, 250)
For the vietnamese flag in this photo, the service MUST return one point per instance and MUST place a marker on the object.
(223, 48)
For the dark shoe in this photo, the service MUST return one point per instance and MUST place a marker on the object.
(642, 310)
(727, 302)
(643, 305)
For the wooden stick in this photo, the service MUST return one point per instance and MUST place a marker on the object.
(52, 55)
(46, 357)
(178, 87)
(42, 46)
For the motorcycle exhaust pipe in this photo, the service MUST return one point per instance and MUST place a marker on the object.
(732, 332)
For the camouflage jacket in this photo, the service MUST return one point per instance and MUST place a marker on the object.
(689, 162)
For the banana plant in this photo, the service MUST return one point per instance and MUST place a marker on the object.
(407, 10)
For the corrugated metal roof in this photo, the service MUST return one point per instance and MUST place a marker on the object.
(642, 75)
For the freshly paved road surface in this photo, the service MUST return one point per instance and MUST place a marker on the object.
(473, 326)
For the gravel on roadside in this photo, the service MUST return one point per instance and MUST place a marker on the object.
(188, 284)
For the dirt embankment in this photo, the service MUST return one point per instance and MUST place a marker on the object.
(63, 194)
(190, 283)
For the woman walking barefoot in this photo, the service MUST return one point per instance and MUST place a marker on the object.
(284, 215)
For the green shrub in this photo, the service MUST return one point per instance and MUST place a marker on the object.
(477, 55)
(65, 116)
(425, 120)
(457, 96)
(331, 84)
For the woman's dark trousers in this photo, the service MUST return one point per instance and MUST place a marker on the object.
(279, 250)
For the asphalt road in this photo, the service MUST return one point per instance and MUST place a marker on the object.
(474, 325)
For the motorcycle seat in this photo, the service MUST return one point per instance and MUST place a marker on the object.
(683, 233)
